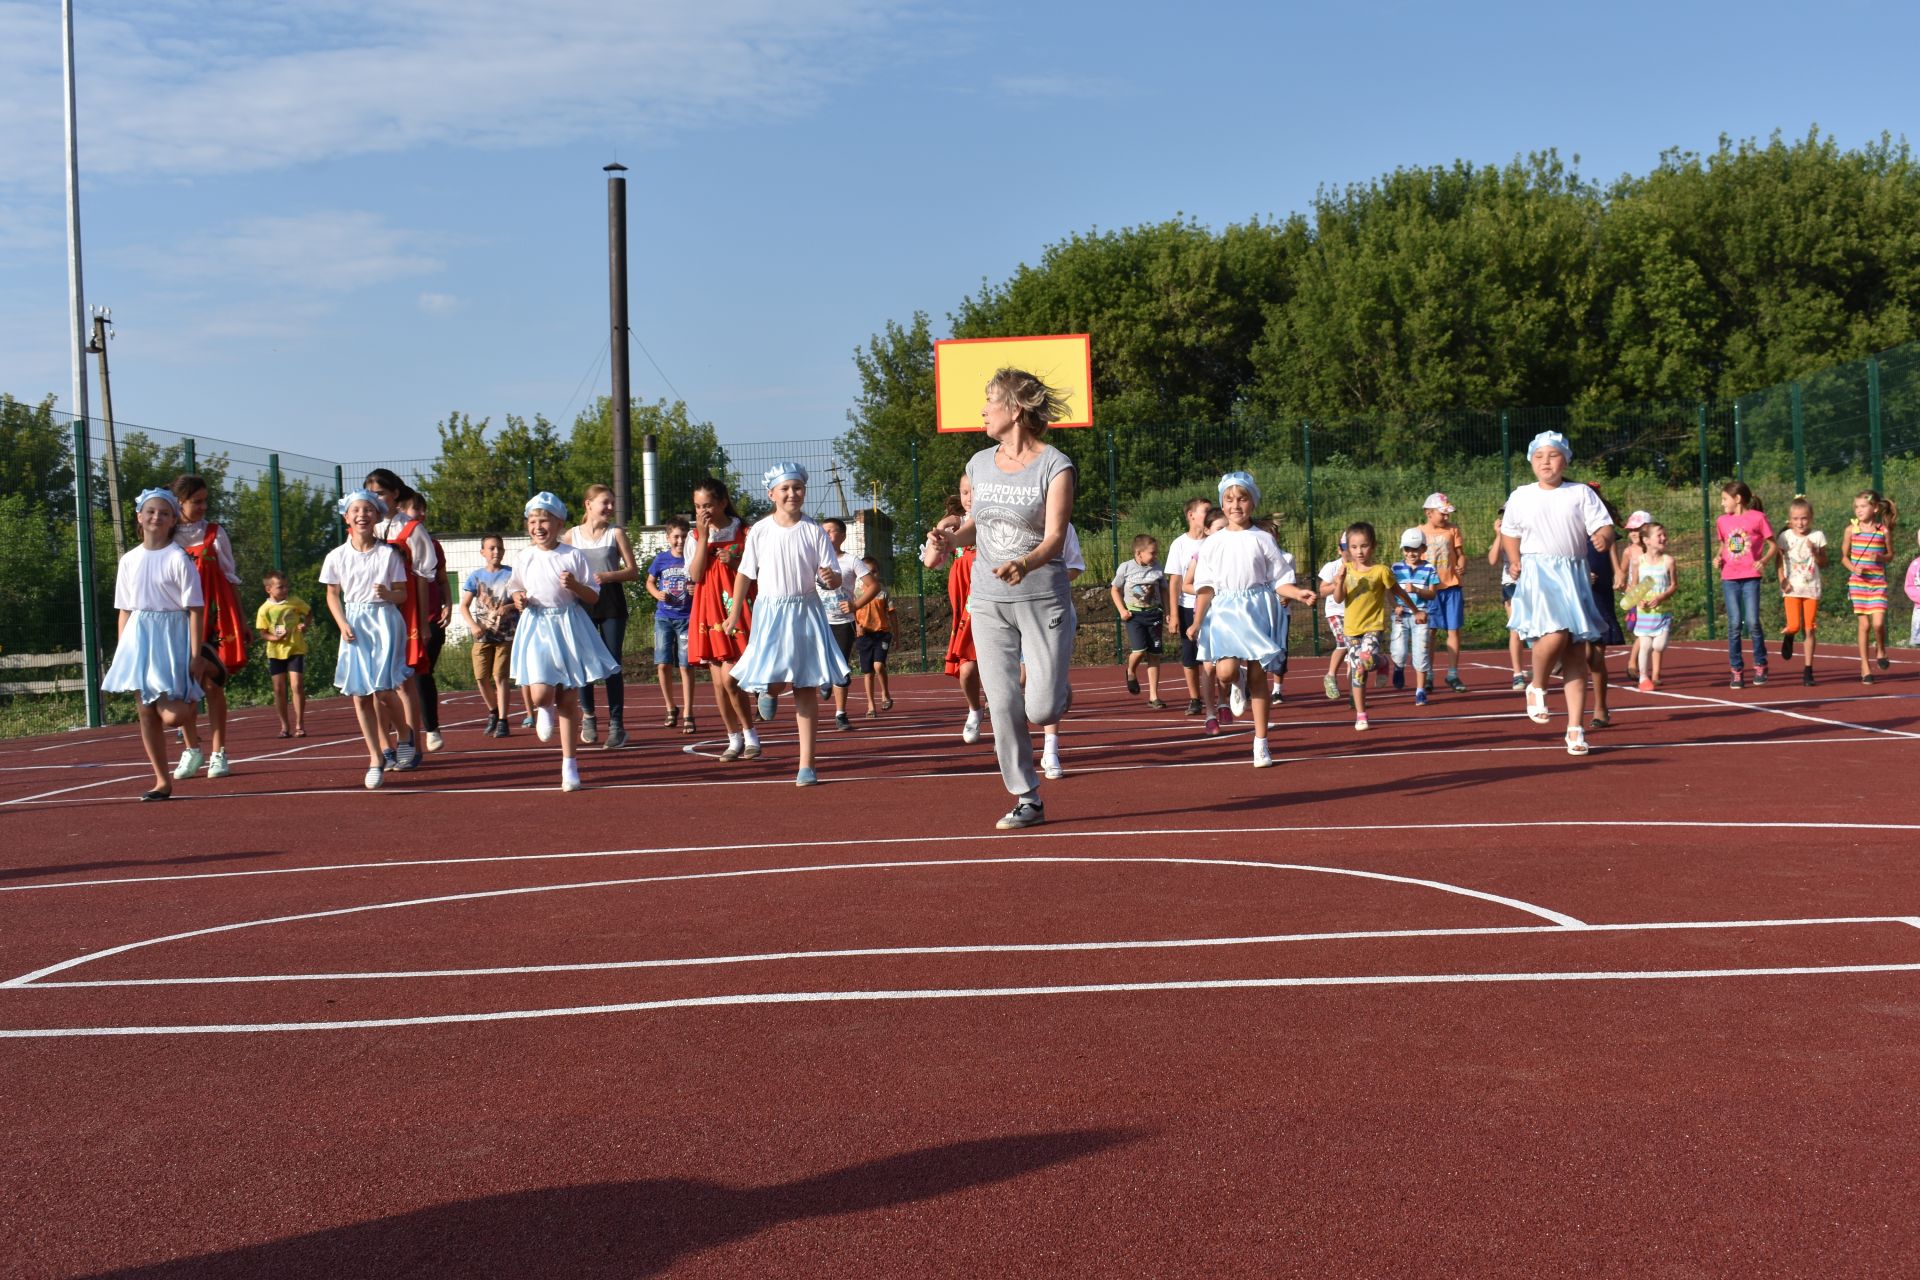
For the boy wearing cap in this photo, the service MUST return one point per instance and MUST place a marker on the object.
(1630, 574)
(1446, 551)
(1421, 583)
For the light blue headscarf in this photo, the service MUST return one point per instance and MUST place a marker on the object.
(1550, 440)
(148, 495)
(547, 502)
(367, 496)
(783, 471)
(1242, 479)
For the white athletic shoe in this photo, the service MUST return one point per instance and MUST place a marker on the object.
(190, 761)
(970, 731)
(543, 725)
(589, 730)
(434, 740)
(1050, 766)
(217, 766)
(569, 775)
(374, 778)
(1262, 758)
(1237, 696)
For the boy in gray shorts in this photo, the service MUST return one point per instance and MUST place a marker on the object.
(1139, 592)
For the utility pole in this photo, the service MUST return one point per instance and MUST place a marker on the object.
(77, 347)
(102, 320)
(618, 342)
(833, 471)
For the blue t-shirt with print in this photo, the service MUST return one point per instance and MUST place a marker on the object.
(669, 573)
(1410, 576)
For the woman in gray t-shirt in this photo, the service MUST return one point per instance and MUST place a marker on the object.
(1022, 503)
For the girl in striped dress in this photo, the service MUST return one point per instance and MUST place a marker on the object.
(157, 656)
(1869, 549)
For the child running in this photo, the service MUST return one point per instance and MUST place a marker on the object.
(962, 663)
(282, 619)
(1236, 613)
(673, 604)
(557, 650)
(157, 656)
(610, 554)
(1364, 588)
(713, 550)
(1548, 527)
(1139, 591)
(873, 624)
(1412, 632)
(1913, 596)
(1746, 543)
(1336, 615)
(1654, 569)
(1868, 551)
(788, 558)
(1446, 553)
(1497, 555)
(1636, 546)
(838, 602)
(1181, 554)
(1803, 554)
(491, 618)
(225, 639)
(366, 579)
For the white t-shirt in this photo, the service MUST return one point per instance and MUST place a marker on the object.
(1180, 557)
(1286, 575)
(537, 573)
(357, 573)
(1070, 558)
(1803, 571)
(1330, 571)
(784, 561)
(851, 571)
(419, 545)
(192, 535)
(162, 581)
(1238, 560)
(1557, 521)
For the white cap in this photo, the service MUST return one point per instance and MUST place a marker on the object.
(1637, 519)
(1413, 538)
(1440, 501)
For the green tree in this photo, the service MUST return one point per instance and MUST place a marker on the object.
(688, 452)
(36, 455)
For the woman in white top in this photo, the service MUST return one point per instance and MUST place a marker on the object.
(610, 554)
(557, 649)
(366, 579)
(157, 656)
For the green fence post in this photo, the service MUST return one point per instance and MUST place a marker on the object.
(1873, 422)
(190, 463)
(1313, 552)
(1506, 453)
(532, 488)
(1739, 445)
(1113, 529)
(273, 507)
(1799, 441)
(339, 492)
(83, 536)
(919, 567)
(1706, 519)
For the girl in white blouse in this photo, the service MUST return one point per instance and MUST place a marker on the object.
(366, 580)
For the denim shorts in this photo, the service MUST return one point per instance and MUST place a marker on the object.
(669, 641)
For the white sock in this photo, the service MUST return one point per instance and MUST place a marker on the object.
(1052, 745)
(570, 769)
(752, 738)
(733, 740)
(973, 718)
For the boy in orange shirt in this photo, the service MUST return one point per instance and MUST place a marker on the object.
(873, 636)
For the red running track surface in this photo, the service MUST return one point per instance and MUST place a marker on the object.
(1433, 999)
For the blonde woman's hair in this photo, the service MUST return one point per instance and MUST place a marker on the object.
(594, 491)
(1038, 404)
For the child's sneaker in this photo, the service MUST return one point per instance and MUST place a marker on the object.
(526, 721)
(1736, 682)
(1237, 699)
(589, 730)
(1399, 677)
(1759, 675)
(1519, 680)
(493, 718)
(1050, 766)
(1262, 758)
(1332, 689)
(970, 731)
(374, 778)
(841, 722)
(1786, 645)
(806, 778)
(217, 766)
(1806, 676)
(190, 761)
(1455, 683)
(1419, 697)
(1154, 704)
(569, 774)
(1194, 708)
(1359, 724)
(543, 725)
(406, 757)
(615, 740)
(1133, 685)
(766, 706)
(434, 740)
(1028, 813)
(1646, 684)
(1213, 726)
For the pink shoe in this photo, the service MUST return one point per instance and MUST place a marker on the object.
(1646, 684)
(1213, 726)
(1359, 724)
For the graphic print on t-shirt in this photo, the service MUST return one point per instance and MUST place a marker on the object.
(999, 520)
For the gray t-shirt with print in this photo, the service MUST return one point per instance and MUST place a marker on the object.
(1142, 587)
(1009, 520)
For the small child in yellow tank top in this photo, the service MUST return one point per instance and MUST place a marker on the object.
(282, 622)
(1363, 587)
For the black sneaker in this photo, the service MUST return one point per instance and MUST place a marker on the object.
(1028, 813)
(1194, 708)
(1786, 645)
(841, 722)
(1806, 676)
(1759, 675)
(500, 730)
(1133, 685)
(493, 718)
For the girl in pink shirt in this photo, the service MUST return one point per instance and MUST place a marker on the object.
(1746, 544)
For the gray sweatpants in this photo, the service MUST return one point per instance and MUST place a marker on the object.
(1042, 630)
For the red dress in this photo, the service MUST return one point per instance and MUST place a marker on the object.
(223, 606)
(707, 639)
(959, 592)
(413, 608)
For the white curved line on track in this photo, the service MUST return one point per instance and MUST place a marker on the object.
(28, 979)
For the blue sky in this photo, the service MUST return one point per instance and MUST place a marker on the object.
(322, 225)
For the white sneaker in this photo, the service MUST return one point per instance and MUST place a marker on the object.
(589, 730)
(190, 761)
(1237, 696)
(970, 731)
(1050, 766)
(217, 766)
(569, 775)
(434, 740)
(375, 777)
(543, 725)
(1262, 758)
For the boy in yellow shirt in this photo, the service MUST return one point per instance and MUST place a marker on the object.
(282, 622)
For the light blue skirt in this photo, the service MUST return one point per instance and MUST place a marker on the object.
(153, 659)
(560, 646)
(1249, 625)
(377, 658)
(791, 643)
(1553, 595)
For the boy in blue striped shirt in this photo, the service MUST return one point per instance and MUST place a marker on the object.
(1421, 581)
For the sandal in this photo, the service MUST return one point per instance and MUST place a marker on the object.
(285, 734)
(299, 733)
(886, 704)
(672, 720)
(1576, 743)
(1537, 705)
(1866, 677)
(688, 726)
(1600, 722)
(1881, 662)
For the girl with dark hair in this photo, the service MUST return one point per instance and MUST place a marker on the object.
(714, 548)
(226, 635)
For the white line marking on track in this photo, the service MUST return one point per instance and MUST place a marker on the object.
(851, 997)
(859, 842)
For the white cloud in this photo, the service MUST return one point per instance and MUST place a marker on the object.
(184, 87)
(439, 304)
(325, 252)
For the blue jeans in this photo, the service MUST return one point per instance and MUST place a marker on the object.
(1742, 597)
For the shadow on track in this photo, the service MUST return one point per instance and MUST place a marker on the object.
(629, 1228)
(145, 864)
